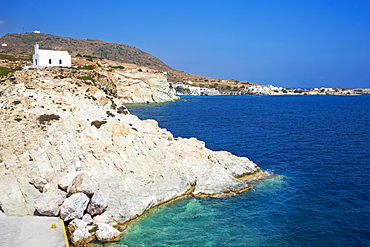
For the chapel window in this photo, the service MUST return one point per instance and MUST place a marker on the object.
(60, 61)
(49, 61)
(35, 61)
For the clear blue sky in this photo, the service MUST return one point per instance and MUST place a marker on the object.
(289, 43)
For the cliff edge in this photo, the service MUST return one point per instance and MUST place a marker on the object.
(53, 128)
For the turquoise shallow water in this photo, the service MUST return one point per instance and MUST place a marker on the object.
(320, 144)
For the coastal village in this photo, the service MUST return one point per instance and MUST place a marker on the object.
(71, 149)
(188, 88)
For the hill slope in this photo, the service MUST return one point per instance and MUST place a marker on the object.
(22, 44)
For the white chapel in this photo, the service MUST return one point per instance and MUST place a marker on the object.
(50, 58)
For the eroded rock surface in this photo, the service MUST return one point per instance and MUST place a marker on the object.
(81, 183)
(79, 232)
(98, 203)
(56, 128)
(74, 206)
(49, 203)
(107, 233)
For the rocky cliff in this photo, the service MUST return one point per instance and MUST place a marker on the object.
(54, 127)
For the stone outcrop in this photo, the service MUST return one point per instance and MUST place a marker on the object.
(81, 183)
(60, 134)
(142, 87)
(98, 203)
(74, 206)
(79, 232)
(49, 203)
(107, 233)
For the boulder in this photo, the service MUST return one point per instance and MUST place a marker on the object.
(65, 181)
(81, 183)
(39, 183)
(49, 203)
(107, 233)
(79, 232)
(88, 219)
(98, 203)
(74, 206)
(105, 218)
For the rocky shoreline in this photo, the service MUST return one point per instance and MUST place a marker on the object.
(70, 148)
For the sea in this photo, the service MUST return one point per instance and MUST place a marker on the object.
(320, 147)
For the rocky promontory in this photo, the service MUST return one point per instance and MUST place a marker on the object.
(70, 148)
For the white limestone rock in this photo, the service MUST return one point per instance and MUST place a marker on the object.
(138, 164)
(66, 180)
(79, 232)
(107, 233)
(74, 206)
(143, 87)
(49, 203)
(98, 203)
(88, 219)
(81, 183)
(106, 218)
(39, 183)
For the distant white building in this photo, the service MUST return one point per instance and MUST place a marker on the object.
(36, 31)
(50, 58)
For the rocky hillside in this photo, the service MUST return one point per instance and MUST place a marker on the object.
(22, 44)
(52, 126)
(70, 148)
(129, 83)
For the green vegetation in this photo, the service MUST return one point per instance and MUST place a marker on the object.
(87, 78)
(103, 52)
(140, 70)
(8, 57)
(88, 67)
(116, 67)
(88, 57)
(5, 71)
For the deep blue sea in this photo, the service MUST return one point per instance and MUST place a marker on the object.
(319, 144)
